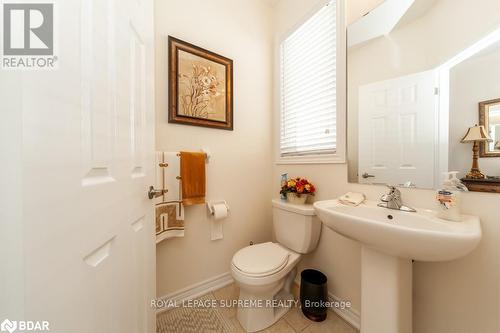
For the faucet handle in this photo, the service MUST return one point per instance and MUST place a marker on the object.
(386, 197)
(392, 200)
(391, 187)
(394, 194)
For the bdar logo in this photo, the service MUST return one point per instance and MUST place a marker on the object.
(8, 326)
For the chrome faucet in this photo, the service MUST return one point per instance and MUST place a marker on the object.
(392, 200)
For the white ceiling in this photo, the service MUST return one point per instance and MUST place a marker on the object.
(380, 21)
(418, 9)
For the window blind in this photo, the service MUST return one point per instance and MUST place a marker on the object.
(308, 86)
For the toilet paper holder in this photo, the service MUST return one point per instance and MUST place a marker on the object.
(210, 205)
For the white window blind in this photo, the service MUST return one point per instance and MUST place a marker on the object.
(308, 86)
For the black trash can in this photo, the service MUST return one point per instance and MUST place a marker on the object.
(313, 294)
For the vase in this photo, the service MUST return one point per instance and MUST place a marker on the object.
(296, 199)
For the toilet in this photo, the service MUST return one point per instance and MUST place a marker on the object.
(265, 272)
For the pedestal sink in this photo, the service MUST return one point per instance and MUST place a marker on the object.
(390, 240)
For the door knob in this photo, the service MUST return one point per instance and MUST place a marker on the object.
(367, 175)
(153, 193)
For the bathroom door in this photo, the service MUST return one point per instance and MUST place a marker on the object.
(397, 121)
(86, 246)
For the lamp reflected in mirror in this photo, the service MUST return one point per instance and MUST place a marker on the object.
(476, 134)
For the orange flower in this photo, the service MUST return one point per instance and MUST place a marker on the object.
(297, 185)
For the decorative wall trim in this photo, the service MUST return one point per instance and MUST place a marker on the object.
(198, 289)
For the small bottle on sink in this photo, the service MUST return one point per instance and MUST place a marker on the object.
(449, 197)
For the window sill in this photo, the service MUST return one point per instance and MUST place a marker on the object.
(330, 159)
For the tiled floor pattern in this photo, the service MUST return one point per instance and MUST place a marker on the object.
(293, 322)
(193, 320)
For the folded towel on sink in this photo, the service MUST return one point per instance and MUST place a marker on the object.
(352, 198)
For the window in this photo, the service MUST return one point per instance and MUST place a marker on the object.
(308, 87)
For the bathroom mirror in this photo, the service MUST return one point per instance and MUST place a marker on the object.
(489, 117)
(415, 86)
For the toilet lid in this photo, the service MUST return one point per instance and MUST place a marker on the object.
(261, 259)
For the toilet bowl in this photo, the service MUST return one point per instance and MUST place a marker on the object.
(265, 272)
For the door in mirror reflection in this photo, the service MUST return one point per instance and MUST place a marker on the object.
(396, 130)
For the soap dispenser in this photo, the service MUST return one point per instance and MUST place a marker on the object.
(449, 197)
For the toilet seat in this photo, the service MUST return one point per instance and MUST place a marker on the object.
(261, 260)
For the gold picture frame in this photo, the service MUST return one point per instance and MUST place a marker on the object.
(200, 86)
(484, 120)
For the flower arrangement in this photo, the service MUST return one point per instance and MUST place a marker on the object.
(199, 90)
(297, 189)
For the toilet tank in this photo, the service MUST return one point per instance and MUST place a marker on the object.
(296, 226)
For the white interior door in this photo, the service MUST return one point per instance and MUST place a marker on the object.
(397, 130)
(86, 249)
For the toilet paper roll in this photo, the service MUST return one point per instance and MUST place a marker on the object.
(220, 211)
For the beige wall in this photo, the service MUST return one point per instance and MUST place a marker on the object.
(240, 167)
(460, 296)
(471, 82)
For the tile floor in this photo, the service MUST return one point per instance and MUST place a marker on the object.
(293, 322)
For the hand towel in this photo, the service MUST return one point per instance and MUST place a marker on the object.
(193, 178)
(169, 221)
(352, 198)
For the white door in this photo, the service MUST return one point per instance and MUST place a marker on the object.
(87, 249)
(397, 131)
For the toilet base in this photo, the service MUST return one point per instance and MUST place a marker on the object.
(263, 306)
(265, 312)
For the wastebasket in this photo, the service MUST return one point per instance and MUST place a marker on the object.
(313, 294)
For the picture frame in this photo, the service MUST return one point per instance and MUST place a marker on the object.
(200, 86)
(484, 120)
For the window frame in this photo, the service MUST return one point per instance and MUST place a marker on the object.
(340, 154)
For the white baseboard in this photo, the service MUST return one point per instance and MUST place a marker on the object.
(198, 289)
(350, 315)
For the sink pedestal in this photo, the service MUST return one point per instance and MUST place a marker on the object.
(386, 293)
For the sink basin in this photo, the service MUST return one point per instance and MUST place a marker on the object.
(390, 240)
(419, 236)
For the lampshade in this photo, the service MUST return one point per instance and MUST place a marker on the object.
(476, 133)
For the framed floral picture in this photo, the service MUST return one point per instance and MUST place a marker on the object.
(200, 86)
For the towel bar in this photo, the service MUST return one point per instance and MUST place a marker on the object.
(152, 193)
(207, 155)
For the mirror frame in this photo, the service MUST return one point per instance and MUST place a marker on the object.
(484, 121)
